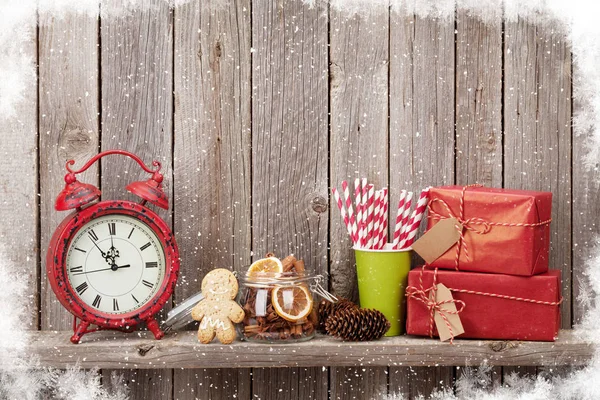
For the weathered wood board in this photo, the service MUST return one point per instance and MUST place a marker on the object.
(137, 114)
(68, 124)
(537, 131)
(358, 77)
(421, 148)
(289, 158)
(585, 211)
(212, 163)
(537, 135)
(19, 179)
(479, 135)
(182, 350)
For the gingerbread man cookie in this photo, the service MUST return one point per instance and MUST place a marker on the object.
(218, 309)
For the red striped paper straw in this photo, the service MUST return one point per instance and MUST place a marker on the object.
(374, 236)
(378, 221)
(350, 210)
(357, 202)
(405, 218)
(370, 204)
(340, 205)
(384, 220)
(417, 216)
(365, 211)
(398, 228)
(377, 218)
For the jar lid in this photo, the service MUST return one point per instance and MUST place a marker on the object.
(181, 315)
(268, 279)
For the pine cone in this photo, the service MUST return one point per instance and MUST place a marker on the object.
(357, 324)
(327, 309)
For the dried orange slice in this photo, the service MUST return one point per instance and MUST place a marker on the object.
(292, 303)
(265, 265)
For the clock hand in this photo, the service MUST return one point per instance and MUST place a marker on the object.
(105, 269)
(114, 253)
(112, 245)
(104, 255)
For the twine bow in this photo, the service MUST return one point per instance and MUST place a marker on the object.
(428, 298)
(476, 225)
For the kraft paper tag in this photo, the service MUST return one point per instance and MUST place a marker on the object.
(438, 240)
(443, 294)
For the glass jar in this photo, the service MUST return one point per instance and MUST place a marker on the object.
(278, 307)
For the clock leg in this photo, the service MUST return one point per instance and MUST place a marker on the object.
(79, 332)
(154, 328)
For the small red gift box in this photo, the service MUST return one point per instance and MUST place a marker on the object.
(495, 306)
(504, 231)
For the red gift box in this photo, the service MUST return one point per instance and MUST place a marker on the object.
(495, 306)
(504, 231)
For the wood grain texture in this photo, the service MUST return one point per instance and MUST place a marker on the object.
(358, 76)
(119, 350)
(358, 383)
(479, 100)
(289, 124)
(137, 107)
(421, 103)
(289, 383)
(413, 382)
(212, 163)
(422, 119)
(19, 241)
(586, 209)
(147, 384)
(290, 159)
(137, 112)
(210, 384)
(537, 137)
(358, 148)
(68, 120)
(479, 106)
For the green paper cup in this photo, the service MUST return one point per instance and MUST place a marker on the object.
(382, 278)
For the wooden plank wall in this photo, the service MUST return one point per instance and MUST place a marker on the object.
(136, 78)
(212, 133)
(19, 179)
(255, 109)
(479, 139)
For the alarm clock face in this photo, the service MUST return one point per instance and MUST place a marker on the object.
(115, 264)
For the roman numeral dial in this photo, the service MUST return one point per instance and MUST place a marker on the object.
(82, 288)
(115, 264)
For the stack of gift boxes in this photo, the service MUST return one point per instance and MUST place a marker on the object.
(496, 268)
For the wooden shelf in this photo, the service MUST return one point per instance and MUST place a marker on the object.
(182, 350)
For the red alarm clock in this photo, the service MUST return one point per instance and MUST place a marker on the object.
(115, 263)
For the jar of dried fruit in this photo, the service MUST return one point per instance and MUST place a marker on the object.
(278, 307)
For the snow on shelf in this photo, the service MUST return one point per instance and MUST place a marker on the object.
(182, 350)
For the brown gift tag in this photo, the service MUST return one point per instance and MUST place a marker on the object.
(438, 240)
(443, 293)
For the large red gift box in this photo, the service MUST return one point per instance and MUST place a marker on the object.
(485, 315)
(504, 231)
